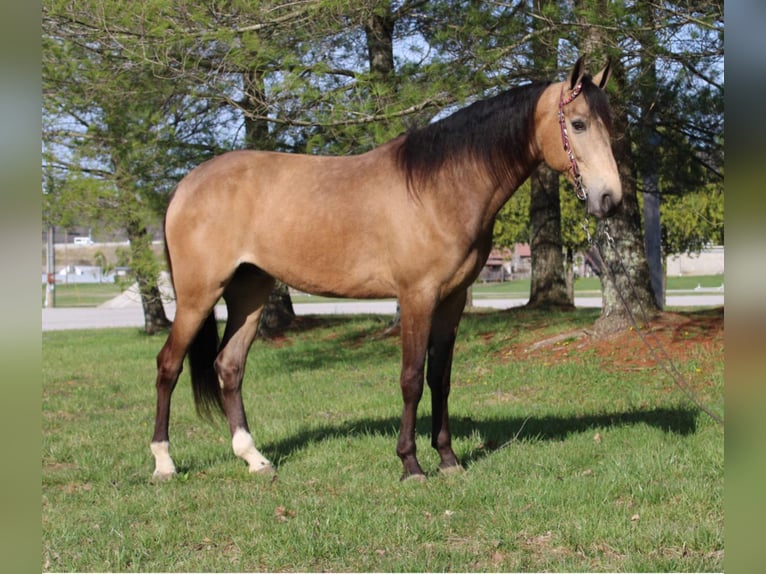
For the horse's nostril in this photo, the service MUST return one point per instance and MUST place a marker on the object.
(607, 205)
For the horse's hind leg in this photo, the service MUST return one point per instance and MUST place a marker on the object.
(245, 296)
(186, 326)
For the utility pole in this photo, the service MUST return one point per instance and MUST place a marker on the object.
(649, 146)
(652, 226)
(50, 270)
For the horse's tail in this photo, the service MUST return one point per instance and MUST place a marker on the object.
(202, 353)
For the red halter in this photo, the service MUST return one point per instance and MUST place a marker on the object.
(579, 187)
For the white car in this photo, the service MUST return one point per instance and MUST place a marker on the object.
(83, 241)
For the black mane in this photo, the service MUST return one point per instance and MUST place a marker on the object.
(494, 132)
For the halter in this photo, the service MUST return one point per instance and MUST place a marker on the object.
(579, 187)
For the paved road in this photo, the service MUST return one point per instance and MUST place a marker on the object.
(59, 319)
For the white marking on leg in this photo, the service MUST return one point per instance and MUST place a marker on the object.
(243, 446)
(163, 464)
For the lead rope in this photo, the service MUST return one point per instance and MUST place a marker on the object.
(663, 361)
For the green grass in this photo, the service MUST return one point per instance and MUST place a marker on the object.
(690, 282)
(571, 466)
(84, 294)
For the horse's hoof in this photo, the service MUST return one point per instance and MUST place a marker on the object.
(265, 471)
(450, 470)
(413, 478)
(158, 476)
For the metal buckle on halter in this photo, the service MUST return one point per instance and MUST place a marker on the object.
(580, 190)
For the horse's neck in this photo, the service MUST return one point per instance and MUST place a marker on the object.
(467, 200)
(480, 199)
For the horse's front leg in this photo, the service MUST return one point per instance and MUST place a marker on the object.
(416, 322)
(440, 349)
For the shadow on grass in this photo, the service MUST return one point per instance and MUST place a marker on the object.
(497, 432)
(357, 340)
(348, 340)
(361, 339)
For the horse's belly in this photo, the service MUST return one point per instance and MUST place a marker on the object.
(335, 287)
(338, 278)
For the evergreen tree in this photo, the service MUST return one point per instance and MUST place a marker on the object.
(116, 138)
(167, 85)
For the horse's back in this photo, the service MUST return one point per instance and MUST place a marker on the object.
(318, 223)
(258, 181)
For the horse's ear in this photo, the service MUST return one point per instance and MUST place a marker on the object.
(577, 72)
(602, 77)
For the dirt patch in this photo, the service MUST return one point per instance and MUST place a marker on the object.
(682, 336)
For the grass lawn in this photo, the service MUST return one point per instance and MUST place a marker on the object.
(84, 294)
(580, 455)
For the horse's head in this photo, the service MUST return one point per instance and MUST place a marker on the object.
(573, 127)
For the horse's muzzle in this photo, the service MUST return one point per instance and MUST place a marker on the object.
(603, 204)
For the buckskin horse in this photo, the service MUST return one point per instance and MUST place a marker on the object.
(410, 219)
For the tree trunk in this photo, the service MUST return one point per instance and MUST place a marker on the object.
(653, 236)
(278, 313)
(379, 32)
(155, 319)
(146, 270)
(625, 281)
(394, 326)
(570, 278)
(648, 156)
(548, 288)
(254, 105)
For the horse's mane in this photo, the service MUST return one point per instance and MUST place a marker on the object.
(494, 132)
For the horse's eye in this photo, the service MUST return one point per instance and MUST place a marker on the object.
(578, 125)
